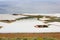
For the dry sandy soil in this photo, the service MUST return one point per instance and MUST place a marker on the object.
(13, 35)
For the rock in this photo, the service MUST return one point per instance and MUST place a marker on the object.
(1, 26)
(41, 26)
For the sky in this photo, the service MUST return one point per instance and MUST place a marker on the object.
(29, 6)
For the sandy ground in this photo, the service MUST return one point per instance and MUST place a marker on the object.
(10, 17)
(27, 26)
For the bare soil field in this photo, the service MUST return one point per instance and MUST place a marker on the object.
(13, 35)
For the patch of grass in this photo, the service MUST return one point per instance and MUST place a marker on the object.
(52, 19)
(7, 21)
(29, 17)
(50, 39)
(28, 38)
(24, 18)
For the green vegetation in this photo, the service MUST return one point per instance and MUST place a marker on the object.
(7, 21)
(24, 18)
(29, 17)
(52, 19)
(50, 39)
(28, 38)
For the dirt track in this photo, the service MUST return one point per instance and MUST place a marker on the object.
(12, 35)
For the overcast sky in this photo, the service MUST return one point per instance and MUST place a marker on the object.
(29, 6)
